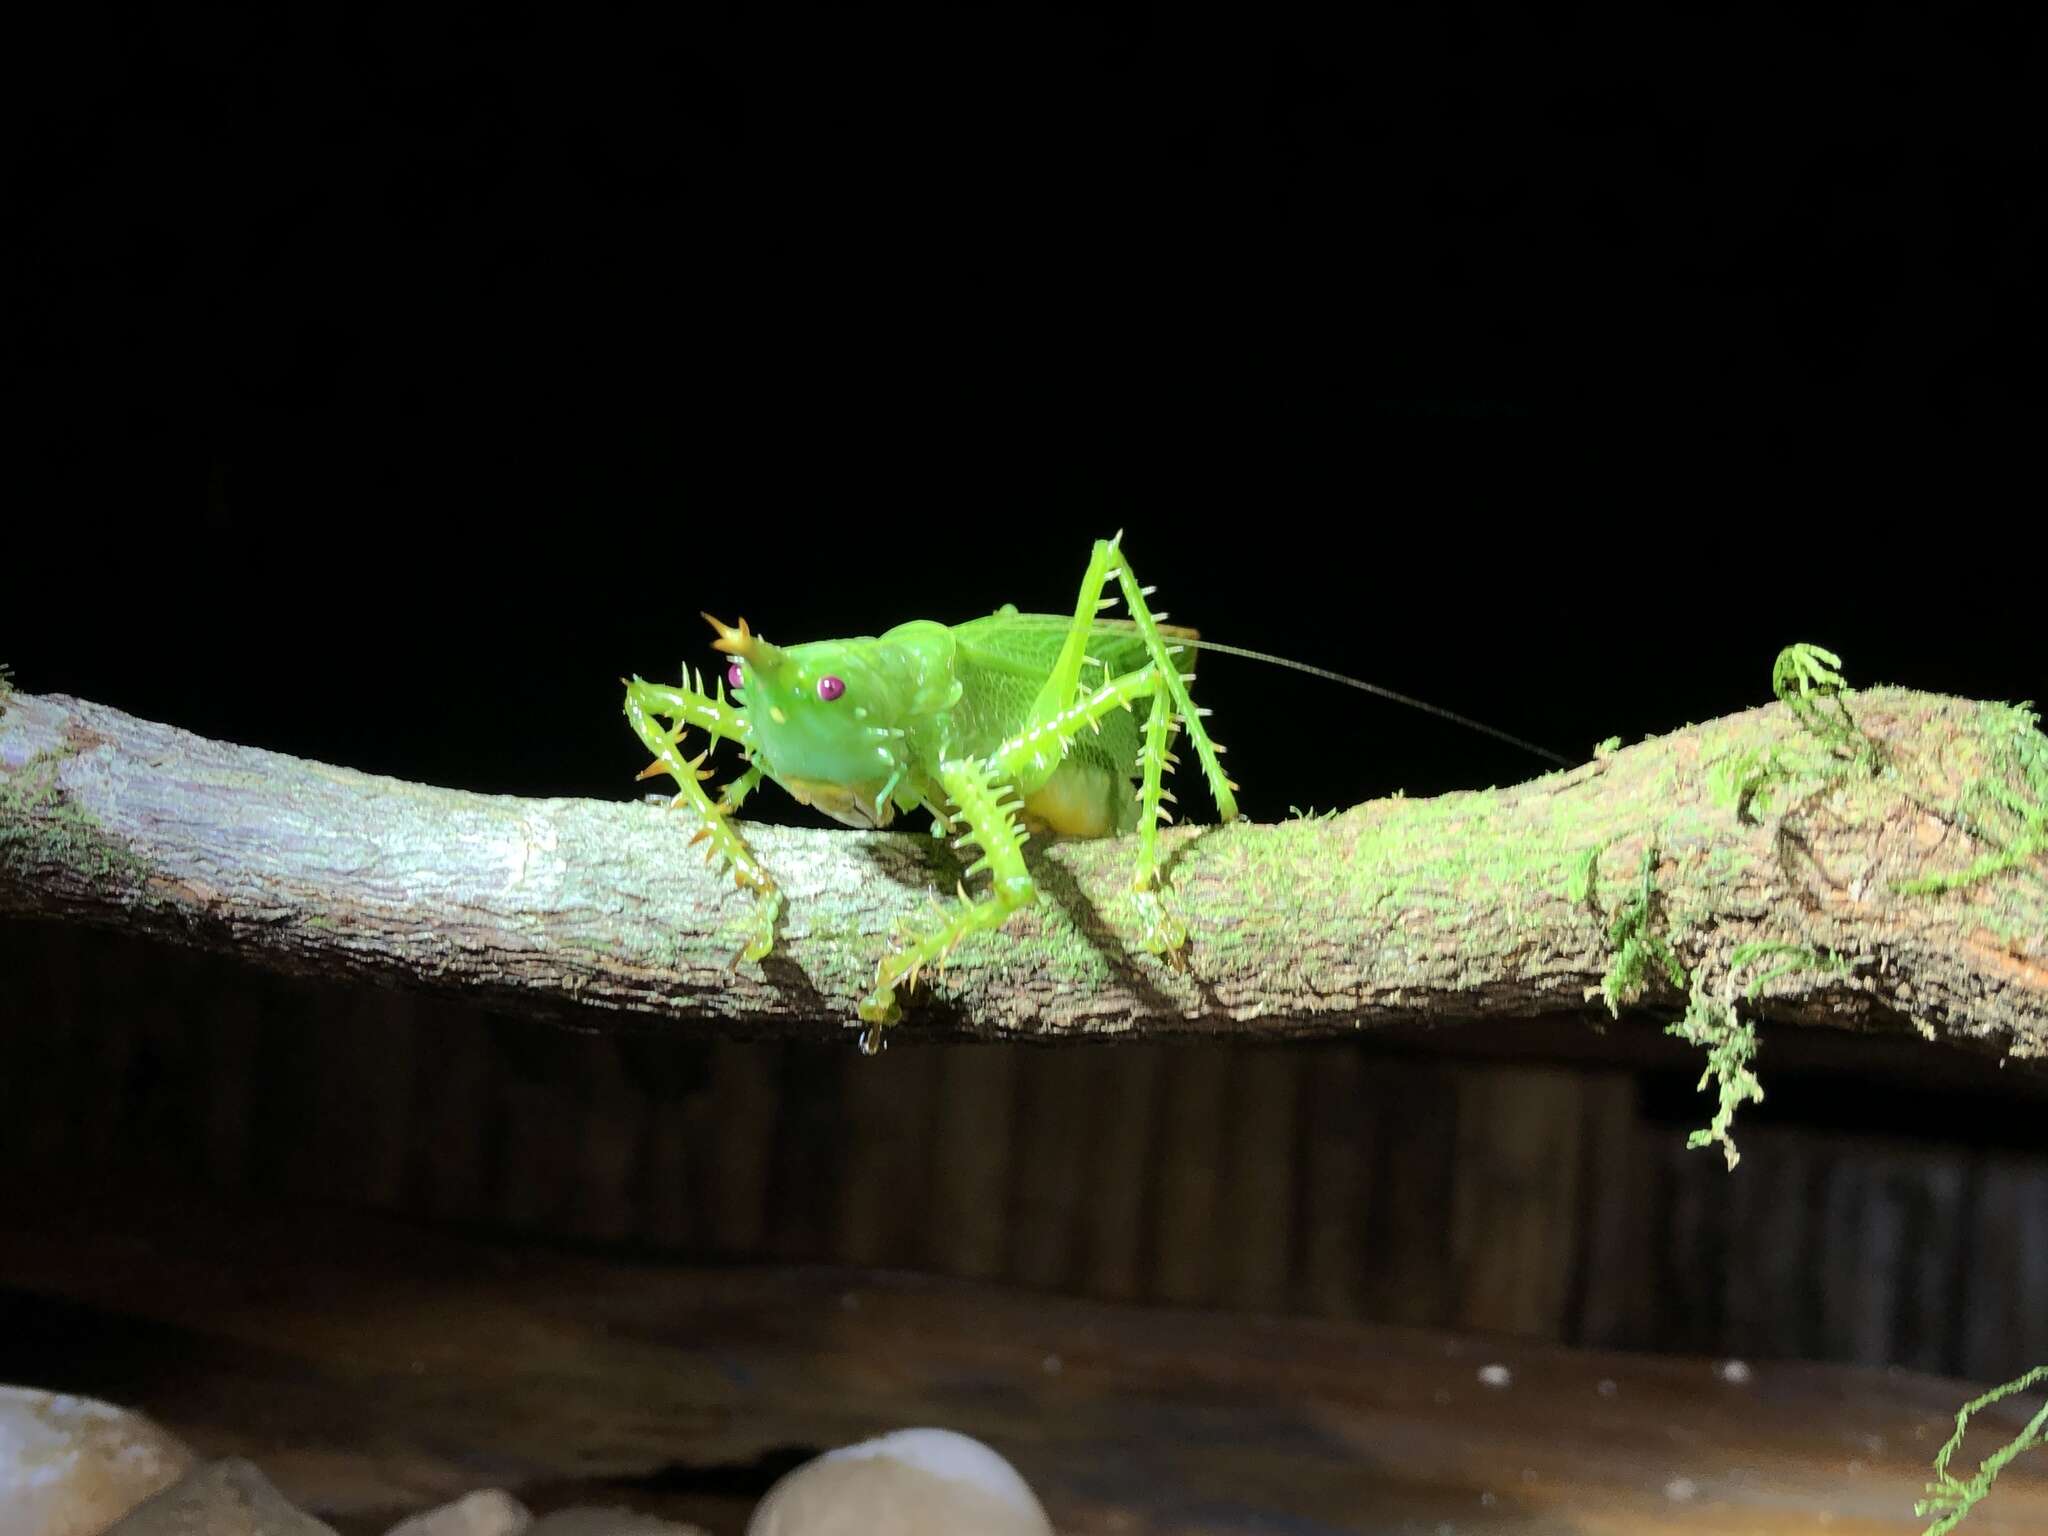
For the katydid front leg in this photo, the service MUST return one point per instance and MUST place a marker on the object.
(721, 721)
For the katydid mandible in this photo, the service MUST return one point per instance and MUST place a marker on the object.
(999, 727)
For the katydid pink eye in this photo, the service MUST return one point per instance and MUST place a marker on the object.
(829, 688)
(734, 676)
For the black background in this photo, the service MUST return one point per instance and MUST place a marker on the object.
(393, 379)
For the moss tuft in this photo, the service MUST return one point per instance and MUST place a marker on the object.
(1582, 877)
(1730, 1042)
(40, 827)
(1805, 681)
(2005, 808)
(1950, 1497)
(1790, 958)
(1637, 945)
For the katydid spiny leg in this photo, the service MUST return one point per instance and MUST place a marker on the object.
(984, 795)
(734, 795)
(1106, 563)
(1047, 739)
(1221, 787)
(1162, 931)
(1063, 685)
(709, 712)
(988, 805)
(1028, 760)
(688, 707)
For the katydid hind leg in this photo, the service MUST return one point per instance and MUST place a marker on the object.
(1056, 698)
(1160, 929)
(1162, 649)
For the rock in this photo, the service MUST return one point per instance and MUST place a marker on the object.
(487, 1512)
(222, 1498)
(916, 1482)
(608, 1522)
(70, 1466)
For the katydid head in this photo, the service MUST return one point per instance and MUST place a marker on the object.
(826, 720)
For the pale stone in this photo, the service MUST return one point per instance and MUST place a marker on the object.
(608, 1522)
(222, 1498)
(916, 1482)
(70, 1466)
(487, 1512)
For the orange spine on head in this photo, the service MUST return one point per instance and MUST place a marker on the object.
(742, 642)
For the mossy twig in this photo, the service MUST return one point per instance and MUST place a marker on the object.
(1451, 909)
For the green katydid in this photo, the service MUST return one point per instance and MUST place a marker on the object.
(1000, 727)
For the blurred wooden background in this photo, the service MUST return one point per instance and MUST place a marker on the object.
(1901, 1224)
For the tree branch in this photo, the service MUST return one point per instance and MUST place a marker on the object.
(1878, 878)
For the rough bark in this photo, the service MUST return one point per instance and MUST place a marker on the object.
(1750, 830)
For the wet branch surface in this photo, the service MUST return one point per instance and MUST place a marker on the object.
(1499, 905)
